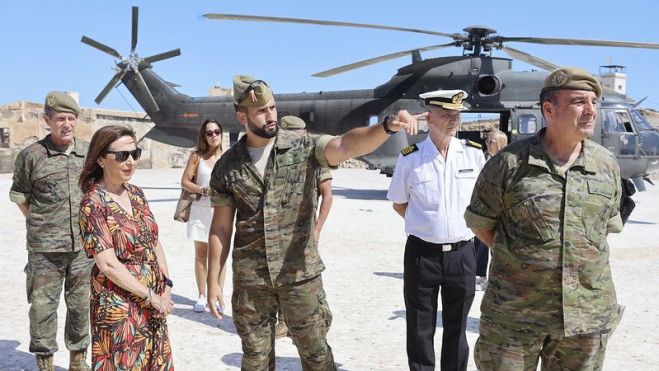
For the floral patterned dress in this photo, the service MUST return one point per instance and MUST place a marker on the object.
(127, 333)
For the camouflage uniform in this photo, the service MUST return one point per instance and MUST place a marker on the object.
(550, 280)
(47, 180)
(275, 259)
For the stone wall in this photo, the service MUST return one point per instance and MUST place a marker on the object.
(22, 123)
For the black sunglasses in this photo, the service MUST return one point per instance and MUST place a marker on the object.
(250, 87)
(210, 133)
(122, 156)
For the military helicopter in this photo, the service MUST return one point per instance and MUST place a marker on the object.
(493, 87)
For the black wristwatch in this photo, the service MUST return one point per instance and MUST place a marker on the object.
(169, 283)
(385, 124)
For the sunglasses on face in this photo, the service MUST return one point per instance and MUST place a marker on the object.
(210, 133)
(122, 156)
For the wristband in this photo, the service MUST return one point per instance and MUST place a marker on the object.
(385, 125)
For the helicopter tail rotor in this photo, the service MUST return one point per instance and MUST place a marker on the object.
(131, 65)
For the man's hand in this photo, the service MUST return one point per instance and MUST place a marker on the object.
(403, 120)
(215, 296)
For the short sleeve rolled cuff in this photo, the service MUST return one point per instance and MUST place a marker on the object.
(219, 199)
(475, 221)
(319, 151)
(18, 197)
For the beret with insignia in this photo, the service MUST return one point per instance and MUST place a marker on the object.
(249, 92)
(61, 102)
(292, 123)
(571, 78)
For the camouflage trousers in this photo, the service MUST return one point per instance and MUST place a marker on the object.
(45, 274)
(499, 348)
(307, 314)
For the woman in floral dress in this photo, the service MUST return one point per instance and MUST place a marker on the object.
(130, 288)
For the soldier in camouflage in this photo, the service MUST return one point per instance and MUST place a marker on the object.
(45, 188)
(267, 183)
(544, 206)
(324, 181)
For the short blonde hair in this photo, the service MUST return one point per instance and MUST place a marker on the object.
(499, 137)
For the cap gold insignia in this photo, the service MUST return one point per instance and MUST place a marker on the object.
(51, 100)
(457, 98)
(560, 78)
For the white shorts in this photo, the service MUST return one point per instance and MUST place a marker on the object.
(199, 224)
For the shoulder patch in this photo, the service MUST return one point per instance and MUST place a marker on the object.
(470, 143)
(409, 149)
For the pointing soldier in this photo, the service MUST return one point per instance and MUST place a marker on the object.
(46, 191)
(544, 206)
(430, 189)
(267, 182)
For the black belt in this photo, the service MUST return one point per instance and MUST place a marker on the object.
(445, 247)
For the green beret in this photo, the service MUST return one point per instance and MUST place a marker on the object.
(249, 92)
(571, 78)
(61, 102)
(292, 123)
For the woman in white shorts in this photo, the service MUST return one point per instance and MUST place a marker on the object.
(196, 177)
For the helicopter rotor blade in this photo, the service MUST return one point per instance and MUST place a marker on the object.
(113, 82)
(133, 34)
(161, 56)
(530, 59)
(382, 58)
(241, 17)
(554, 41)
(102, 47)
(150, 101)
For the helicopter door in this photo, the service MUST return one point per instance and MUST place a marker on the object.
(525, 123)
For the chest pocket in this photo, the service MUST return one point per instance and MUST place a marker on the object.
(424, 188)
(247, 193)
(598, 203)
(48, 190)
(291, 175)
(529, 223)
(465, 179)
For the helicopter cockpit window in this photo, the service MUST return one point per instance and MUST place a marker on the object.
(640, 121)
(527, 124)
(623, 122)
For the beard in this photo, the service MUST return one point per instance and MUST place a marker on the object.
(262, 131)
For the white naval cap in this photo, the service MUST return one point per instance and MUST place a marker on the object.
(449, 99)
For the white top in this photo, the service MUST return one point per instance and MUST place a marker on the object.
(437, 191)
(202, 179)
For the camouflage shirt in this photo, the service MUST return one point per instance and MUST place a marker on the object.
(273, 243)
(47, 180)
(550, 258)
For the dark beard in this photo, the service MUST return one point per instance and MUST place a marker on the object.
(262, 131)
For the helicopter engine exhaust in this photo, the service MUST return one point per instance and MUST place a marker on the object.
(488, 85)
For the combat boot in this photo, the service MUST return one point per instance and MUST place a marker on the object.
(45, 363)
(78, 361)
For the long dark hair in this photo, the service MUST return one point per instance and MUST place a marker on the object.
(202, 145)
(101, 141)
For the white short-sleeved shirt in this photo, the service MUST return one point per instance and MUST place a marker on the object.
(437, 190)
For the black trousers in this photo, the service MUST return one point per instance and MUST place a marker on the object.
(482, 256)
(427, 269)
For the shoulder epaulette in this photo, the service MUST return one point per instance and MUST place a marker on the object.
(473, 144)
(409, 149)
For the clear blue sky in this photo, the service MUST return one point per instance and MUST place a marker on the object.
(42, 49)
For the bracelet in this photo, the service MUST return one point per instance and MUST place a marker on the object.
(385, 125)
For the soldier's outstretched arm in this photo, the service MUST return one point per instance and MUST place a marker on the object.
(219, 239)
(360, 141)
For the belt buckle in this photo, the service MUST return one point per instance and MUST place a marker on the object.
(446, 247)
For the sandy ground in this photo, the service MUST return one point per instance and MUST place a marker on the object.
(362, 246)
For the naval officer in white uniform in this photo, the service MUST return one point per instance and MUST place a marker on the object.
(431, 188)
